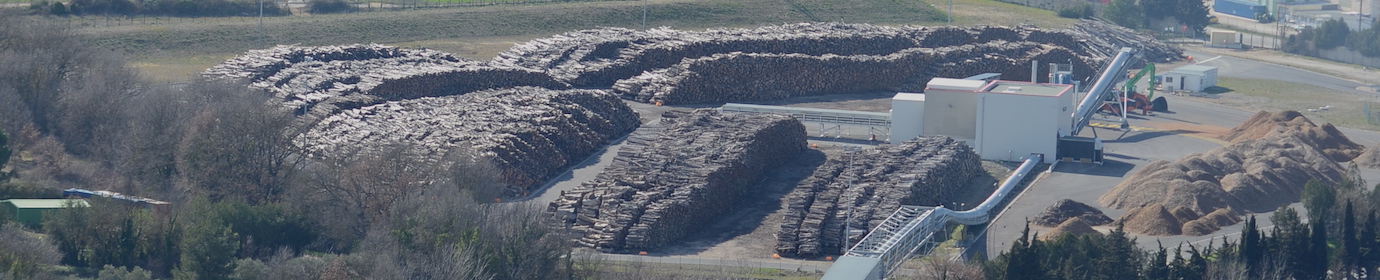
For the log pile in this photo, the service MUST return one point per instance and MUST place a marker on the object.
(321, 81)
(924, 171)
(528, 133)
(676, 177)
(601, 57)
(749, 76)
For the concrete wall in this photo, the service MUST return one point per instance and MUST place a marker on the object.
(951, 113)
(1012, 126)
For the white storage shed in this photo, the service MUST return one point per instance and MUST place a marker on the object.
(1192, 78)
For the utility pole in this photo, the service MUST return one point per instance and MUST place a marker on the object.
(951, 12)
(644, 15)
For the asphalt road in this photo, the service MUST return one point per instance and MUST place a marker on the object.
(1228, 66)
(1128, 151)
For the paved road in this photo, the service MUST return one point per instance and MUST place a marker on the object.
(1127, 152)
(1228, 66)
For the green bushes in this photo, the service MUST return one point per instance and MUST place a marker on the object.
(330, 7)
(1077, 11)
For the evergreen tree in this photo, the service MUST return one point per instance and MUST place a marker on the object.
(1158, 268)
(208, 251)
(1125, 13)
(1315, 263)
(1251, 250)
(5, 152)
(1024, 261)
(1192, 13)
(1121, 258)
(1350, 250)
(1318, 199)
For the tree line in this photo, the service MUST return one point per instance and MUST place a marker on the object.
(1337, 238)
(1332, 34)
(1137, 14)
(246, 202)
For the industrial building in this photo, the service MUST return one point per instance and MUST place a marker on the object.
(30, 212)
(1001, 120)
(1191, 78)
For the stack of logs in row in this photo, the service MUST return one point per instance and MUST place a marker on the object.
(600, 57)
(746, 77)
(676, 177)
(321, 81)
(868, 186)
(528, 133)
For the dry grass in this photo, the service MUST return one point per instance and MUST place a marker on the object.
(1255, 95)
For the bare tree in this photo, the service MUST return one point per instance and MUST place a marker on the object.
(241, 146)
(938, 268)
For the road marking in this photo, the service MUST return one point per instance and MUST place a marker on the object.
(1206, 60)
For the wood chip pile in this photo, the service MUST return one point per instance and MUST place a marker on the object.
(1073, 226)
(529, 133)
(321, 81)
(1325, 138)
(1255, 175)
(676, 177)
(924, 171)
(1066, 209)
(1370, 158)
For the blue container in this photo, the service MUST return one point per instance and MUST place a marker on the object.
(1239, 8)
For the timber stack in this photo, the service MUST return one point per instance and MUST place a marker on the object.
(926, 171)
(676, 177)
(528, 133)
(321, 81)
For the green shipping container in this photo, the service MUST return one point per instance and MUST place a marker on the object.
(30, 211)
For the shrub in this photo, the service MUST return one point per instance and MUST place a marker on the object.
(330, 6)
(1077, 11)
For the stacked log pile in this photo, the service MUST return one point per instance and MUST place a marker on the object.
(677, 177)
(529, 133)
(748, 76)
(1105, 39)
(322, 81)
(924, 171)
(601, 57)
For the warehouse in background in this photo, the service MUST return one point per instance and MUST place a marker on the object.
(1001, 120)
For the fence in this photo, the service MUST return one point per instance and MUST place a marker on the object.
(1346, 55)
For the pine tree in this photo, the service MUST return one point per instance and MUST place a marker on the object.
(1350, 251)
(1315, 263)
(1251, 251)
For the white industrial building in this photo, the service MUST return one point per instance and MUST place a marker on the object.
(1191, 78)
(1001, 120)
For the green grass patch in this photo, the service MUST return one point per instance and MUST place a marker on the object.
(1269, 95)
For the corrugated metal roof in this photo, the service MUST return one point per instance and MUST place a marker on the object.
(43, 203)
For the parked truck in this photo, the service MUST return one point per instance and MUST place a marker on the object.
(1243, 8)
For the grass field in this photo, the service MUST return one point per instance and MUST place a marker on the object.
(1252, 94)
(168, 49)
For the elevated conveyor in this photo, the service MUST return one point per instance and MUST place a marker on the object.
(1101, 89)
(912, 228)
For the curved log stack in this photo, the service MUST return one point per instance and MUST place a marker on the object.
(528, 133)
(925, 171)
(322, 81)
(677, 177)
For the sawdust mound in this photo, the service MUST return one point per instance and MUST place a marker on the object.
(1067, 209)
(1272, 157)
(1151, 220)
(1073, 226)
(1325, 138)
(1370, 158)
